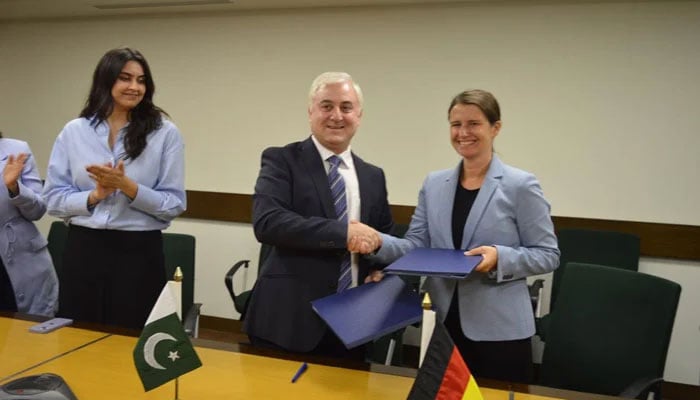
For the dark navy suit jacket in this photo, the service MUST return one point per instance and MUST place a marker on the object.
(293, 211)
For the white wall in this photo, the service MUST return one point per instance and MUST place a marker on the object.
(598, 100)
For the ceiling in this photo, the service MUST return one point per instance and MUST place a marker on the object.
(50, 9)
(33, 9)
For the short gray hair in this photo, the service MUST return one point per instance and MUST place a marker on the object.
(327, 78)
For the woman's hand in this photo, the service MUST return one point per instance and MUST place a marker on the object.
(113, 178)
(490, 255)
(13, 170)
(98, 194)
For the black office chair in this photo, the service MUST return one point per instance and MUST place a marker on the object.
(613, 249)
(179, 250)
(240, 300)
(610, 332)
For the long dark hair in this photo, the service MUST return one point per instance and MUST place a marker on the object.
(143, 119)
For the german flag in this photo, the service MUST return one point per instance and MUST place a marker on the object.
(444, 375)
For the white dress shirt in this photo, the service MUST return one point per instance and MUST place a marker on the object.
(352, 190)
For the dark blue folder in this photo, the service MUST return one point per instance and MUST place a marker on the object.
(370, 311)
(446, 263)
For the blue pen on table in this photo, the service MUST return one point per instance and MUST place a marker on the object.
(300, 371)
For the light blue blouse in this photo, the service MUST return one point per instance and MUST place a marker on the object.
(159, 172)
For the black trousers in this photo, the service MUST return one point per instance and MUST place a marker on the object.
(506, 360)
(111, 277)
(7, 293)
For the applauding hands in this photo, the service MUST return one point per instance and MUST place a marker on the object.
(108, 179)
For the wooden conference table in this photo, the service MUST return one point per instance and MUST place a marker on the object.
(99, 365)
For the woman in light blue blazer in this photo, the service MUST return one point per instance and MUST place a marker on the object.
(493, 210)
(28, 282)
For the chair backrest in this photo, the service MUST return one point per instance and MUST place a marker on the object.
(613, 249)
(178, 249)
(58, 235)
(611, 327)
(240, 300)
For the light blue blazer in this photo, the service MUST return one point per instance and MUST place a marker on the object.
(510, 213)
(22, 247)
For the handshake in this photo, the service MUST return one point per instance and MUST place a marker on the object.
(362, 238)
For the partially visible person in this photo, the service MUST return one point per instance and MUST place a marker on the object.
(490, 209)
(28, 282)
(306, 196)
(116, 175)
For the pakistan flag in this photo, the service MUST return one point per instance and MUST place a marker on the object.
(163, 351)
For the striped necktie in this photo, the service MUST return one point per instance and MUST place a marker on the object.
(340, 202)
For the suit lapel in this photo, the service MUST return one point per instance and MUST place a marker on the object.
(491, 181)
(314, 166)
(445, 200)
(363, 181)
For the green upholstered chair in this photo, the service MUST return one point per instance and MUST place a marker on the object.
(179, 250)
(613, 249)
(610, 332)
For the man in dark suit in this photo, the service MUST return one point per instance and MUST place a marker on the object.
(295, 210)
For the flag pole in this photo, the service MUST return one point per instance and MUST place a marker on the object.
(427, 327)
(176, 287)
(163, 322)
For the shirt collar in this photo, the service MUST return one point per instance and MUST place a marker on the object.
(102, 127)
(346, 156)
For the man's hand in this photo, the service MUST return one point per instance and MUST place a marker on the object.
(362, 238)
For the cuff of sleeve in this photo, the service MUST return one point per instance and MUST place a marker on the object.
(21, 196)
(77, 204)
(146, 199)
(24, 196)
(374, 253)
(380, 254)
(501, 274)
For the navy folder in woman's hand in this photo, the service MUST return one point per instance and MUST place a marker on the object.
(446, 263)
